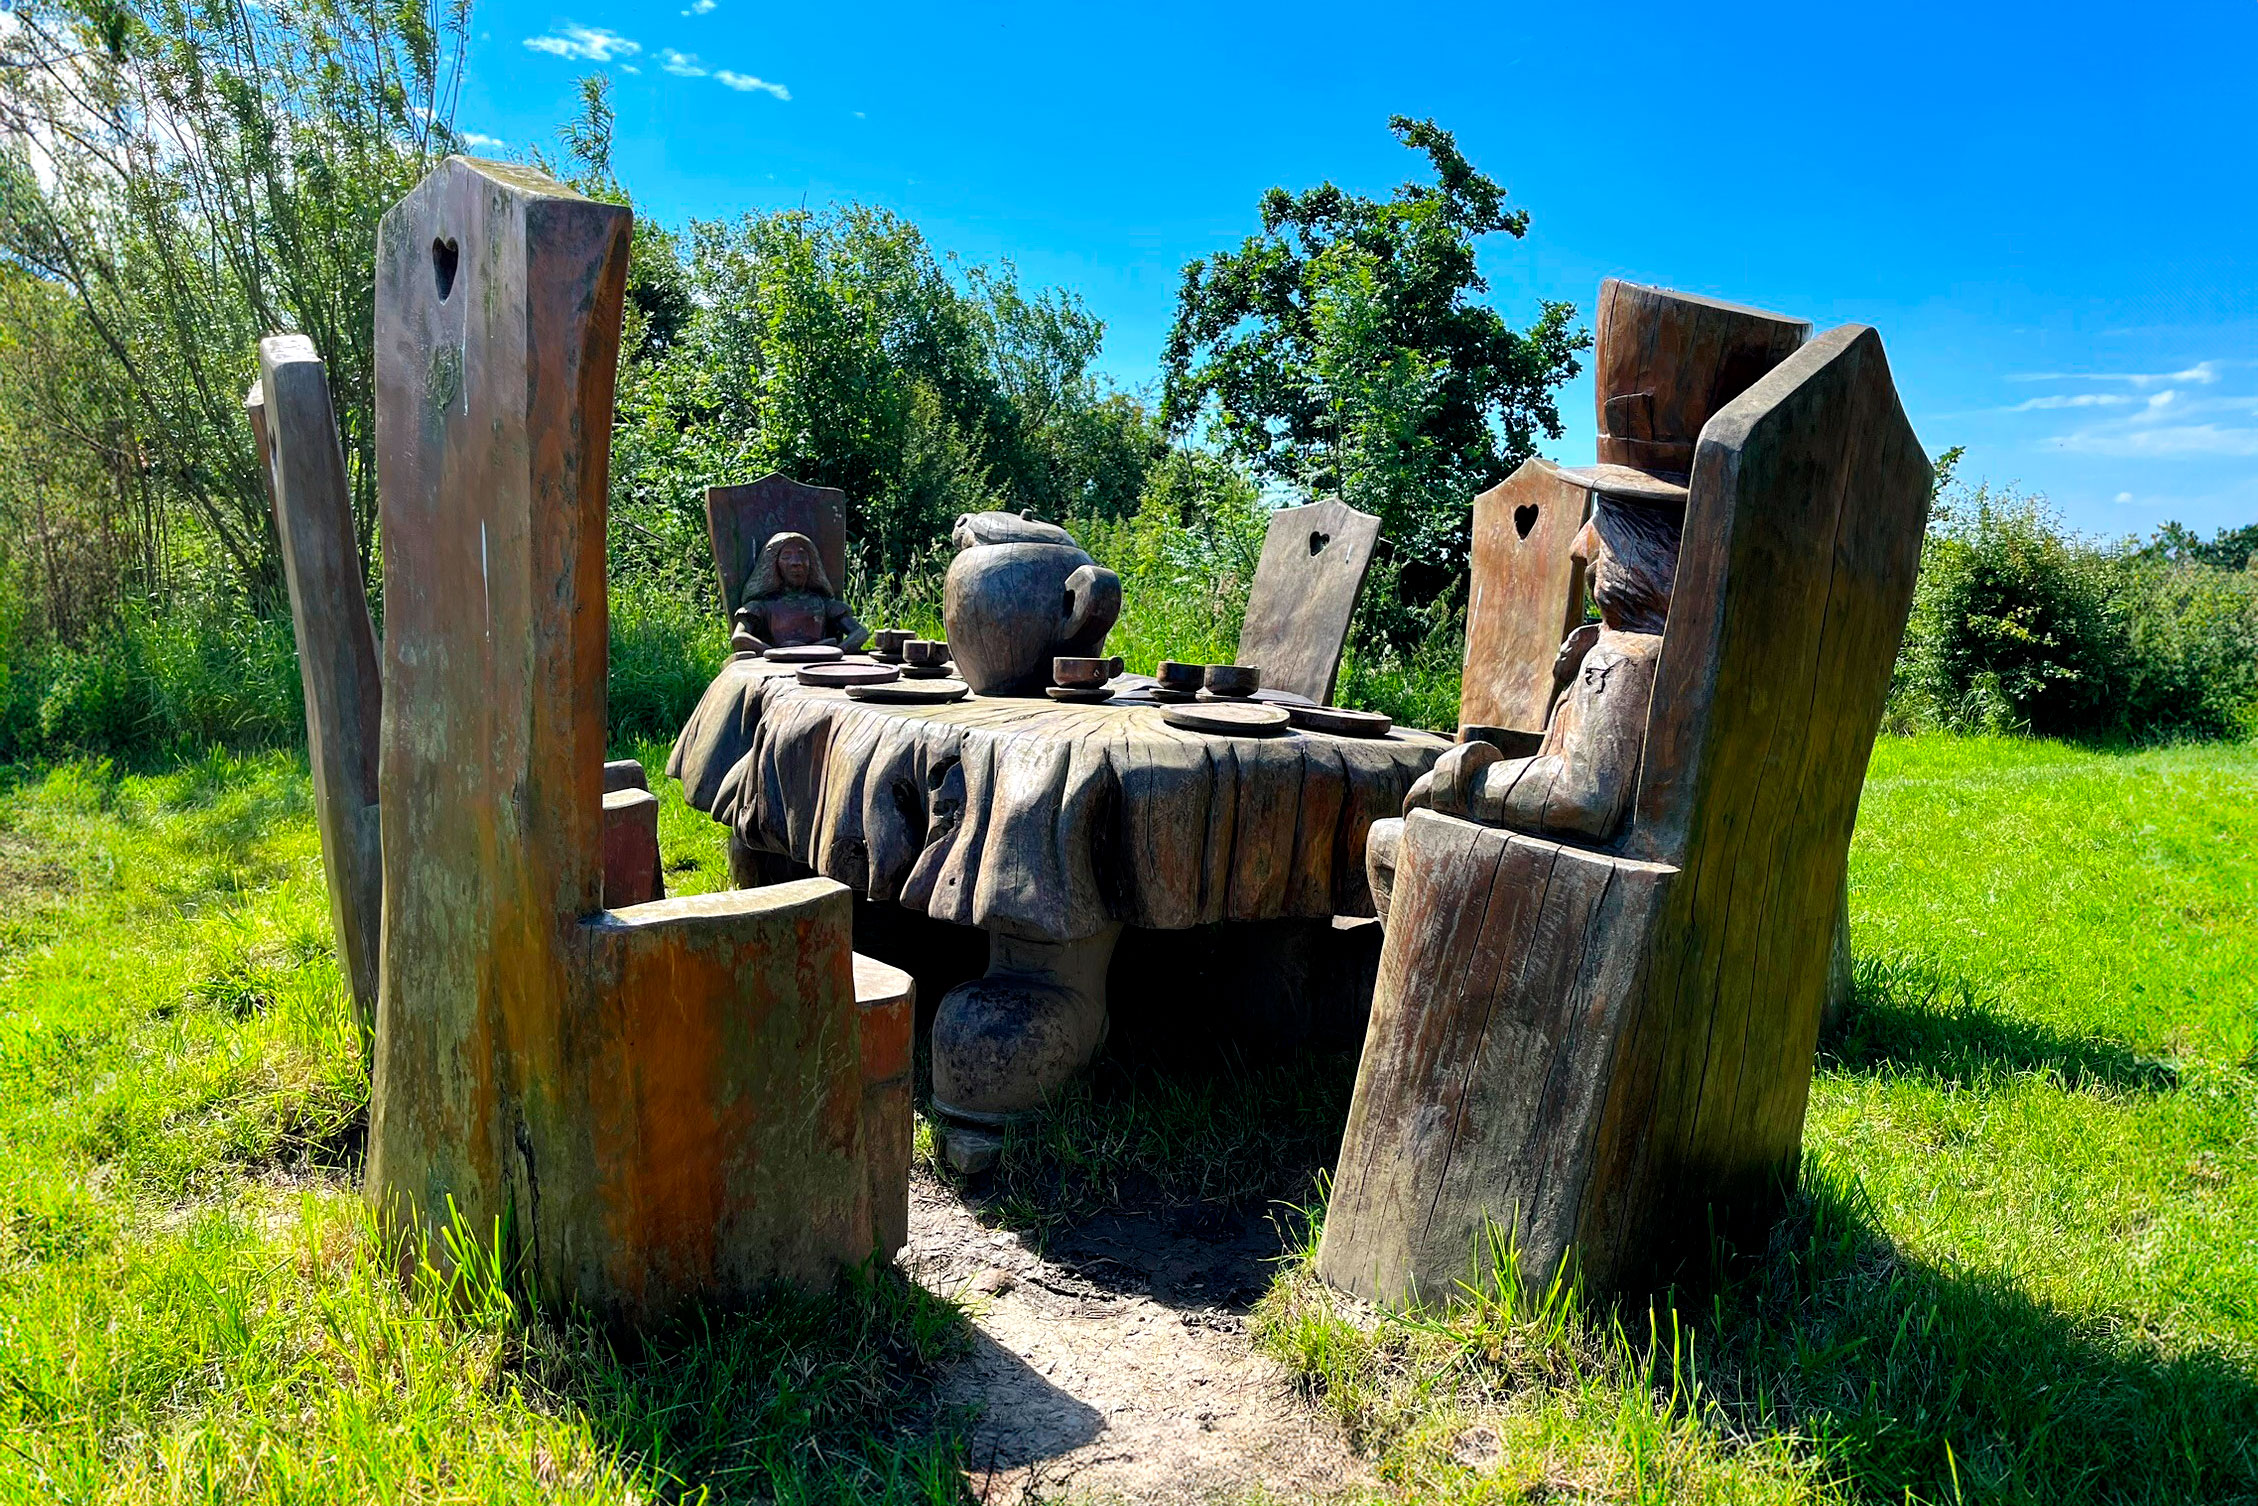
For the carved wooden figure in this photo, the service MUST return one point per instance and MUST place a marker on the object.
(1305, 587)
(651, 1105)
(296, 430)
(1604, 1044)
(740, 520)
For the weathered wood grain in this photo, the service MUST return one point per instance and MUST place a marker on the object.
(1527, 594)
(650, 1106)
(1615, 1048)
(337, 663)
(1043, 820)
(740, 520)
(1305, 587)
(1667, 361)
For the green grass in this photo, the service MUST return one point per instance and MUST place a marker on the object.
(2024, 1262)
(2023, 1266)
(192, 1305)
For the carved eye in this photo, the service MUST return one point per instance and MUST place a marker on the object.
(1524, 518)
(1317, 543)
(445, 256)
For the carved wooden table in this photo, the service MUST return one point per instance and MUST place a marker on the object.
(1050, 827)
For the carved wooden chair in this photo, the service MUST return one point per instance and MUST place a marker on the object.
(646, 1106)
(1305, 587)
(1606, 1050)
(740, 520)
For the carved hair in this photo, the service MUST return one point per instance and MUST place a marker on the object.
(1633, 586)
(768, 581)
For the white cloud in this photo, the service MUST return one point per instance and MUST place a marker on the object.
(2124, 496)
(700, 8)
(586, 44)
(2203, 372)
(2071, 400)
(2171, 441)
(681, 64)
(480, 141)
(745, 83)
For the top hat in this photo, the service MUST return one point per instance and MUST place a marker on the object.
(1667, 362)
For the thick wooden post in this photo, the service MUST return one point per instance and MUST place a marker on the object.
(1608, 1053)
(649, 1106)
(296, 428)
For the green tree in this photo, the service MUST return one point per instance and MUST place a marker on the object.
(194, 174)
(1342, 351)
(837, 347)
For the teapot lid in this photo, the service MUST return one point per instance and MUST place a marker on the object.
(1006, 528)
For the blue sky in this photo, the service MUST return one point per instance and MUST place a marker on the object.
(2051, 214)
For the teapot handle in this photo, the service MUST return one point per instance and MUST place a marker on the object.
(1091, 607)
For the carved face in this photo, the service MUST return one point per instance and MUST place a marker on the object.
(792, 567)
(1630, 557)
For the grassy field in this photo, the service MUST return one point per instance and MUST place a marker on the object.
(2024, 1265)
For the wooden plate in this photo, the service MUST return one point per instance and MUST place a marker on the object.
(810, 653)
(911, 692)
(1084, 695)
(838, 676)
(1260, 697)
(1340, 721)
(1226, 718)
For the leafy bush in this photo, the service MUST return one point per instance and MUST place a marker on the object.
(2020, 625)
(209, 677)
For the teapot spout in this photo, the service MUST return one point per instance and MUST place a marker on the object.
(1092, 606)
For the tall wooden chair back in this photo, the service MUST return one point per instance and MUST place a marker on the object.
(1313, 565)
(1525, 595)
(649, 1106)
(740, 520)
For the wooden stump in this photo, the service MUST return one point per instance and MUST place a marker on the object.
(648, 1107)
(296, 430)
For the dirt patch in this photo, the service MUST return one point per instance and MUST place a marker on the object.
(1114, 1363)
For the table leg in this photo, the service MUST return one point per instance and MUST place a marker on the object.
(1006, 1041)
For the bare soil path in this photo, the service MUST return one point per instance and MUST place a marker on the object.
(1114, 1365)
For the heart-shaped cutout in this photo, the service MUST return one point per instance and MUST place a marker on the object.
(1524, 518)
(446, 255)
(1318, 541)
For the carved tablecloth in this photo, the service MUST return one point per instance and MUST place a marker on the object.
(1048, 826)
(1038, 819)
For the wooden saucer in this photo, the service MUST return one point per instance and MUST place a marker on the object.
(1340, 721)
(926, 671)
(1226, 718)
(839, 676)
(911, 692)
(1084, 695)
(809, 653)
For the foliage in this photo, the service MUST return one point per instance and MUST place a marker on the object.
(2020, 625)
(1339, 351)
(189, 178)
(835, 346)
(193, 1305)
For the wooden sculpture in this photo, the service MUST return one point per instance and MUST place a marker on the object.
(1305, 587)
(645, 1106)
(743, 521)
(1600, 1045)
(296, 431)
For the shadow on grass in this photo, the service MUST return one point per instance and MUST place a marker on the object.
(805, 1396)
(1910, 1015)
(1907, 1376)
